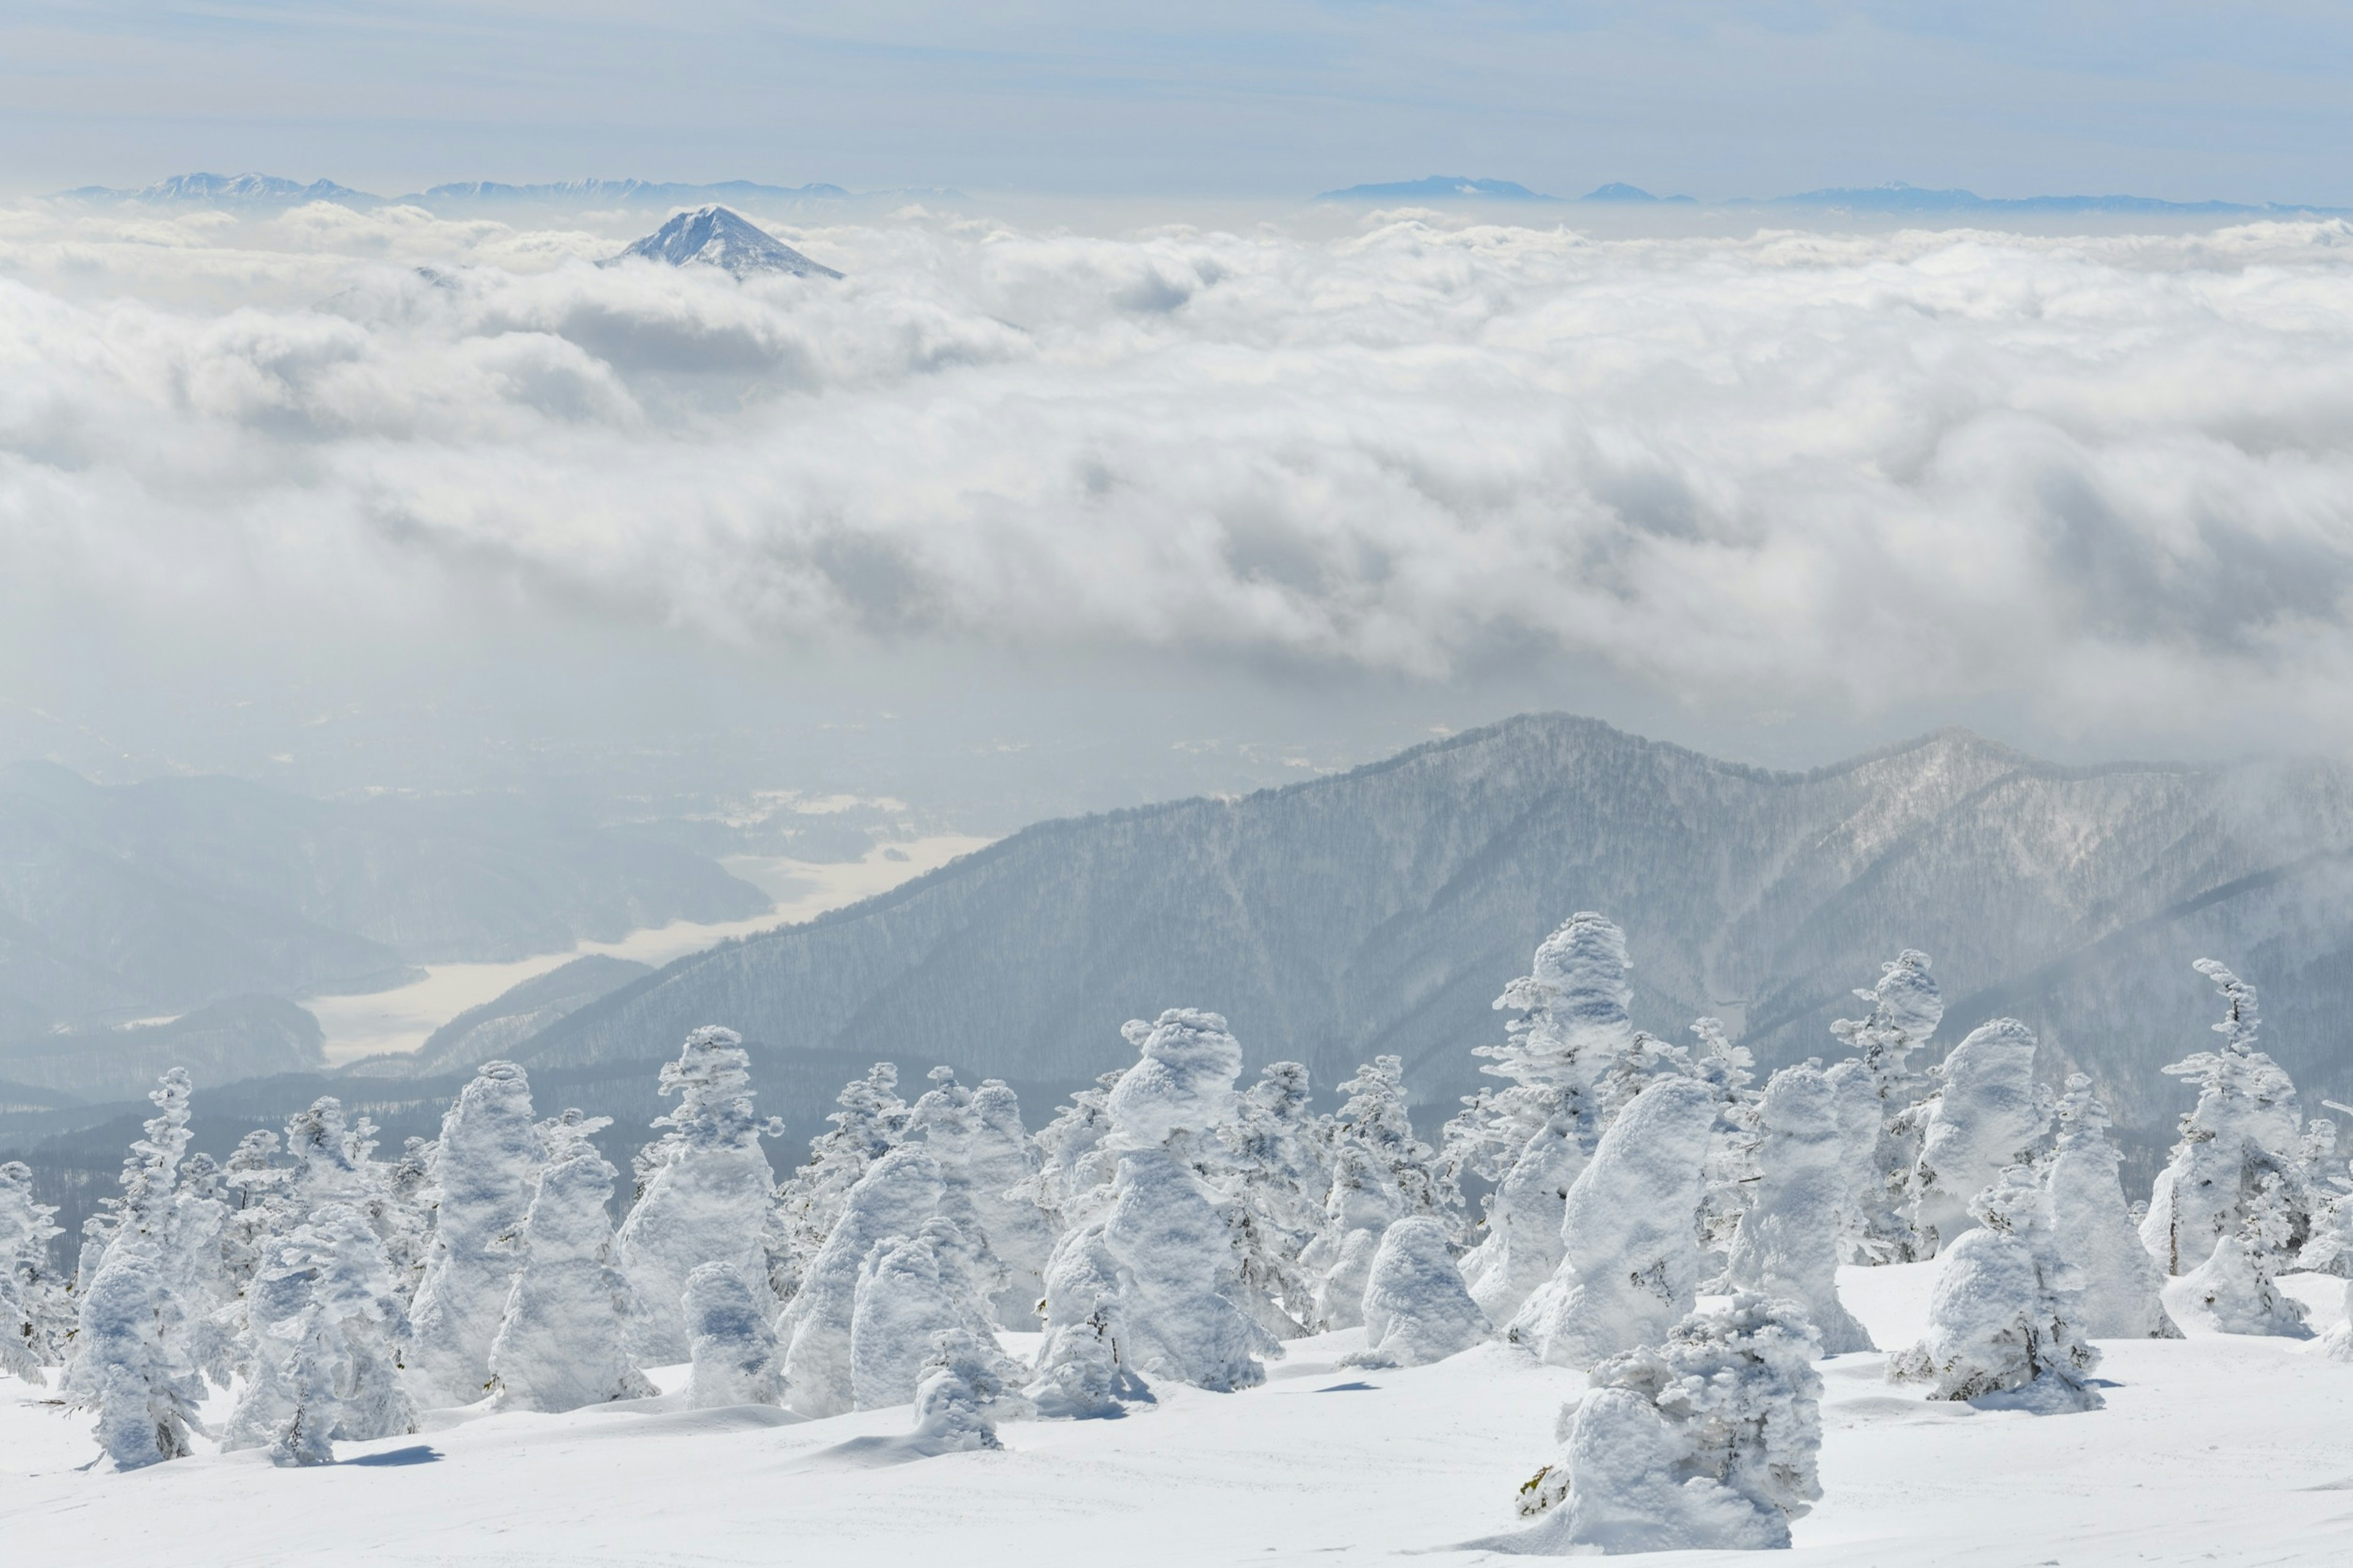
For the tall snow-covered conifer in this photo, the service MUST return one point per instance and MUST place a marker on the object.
(898, 1193)
(1987, 1114)
(485, 1167)
(1630, 1265)
(2092, 1229)
(706, 1191)
(1905, 1008)
(1532, 1136)
(2244, 1127)
(1787, 1247)
(736, 1358)
(564, 1341)
(34, 1315)
(869, 1121)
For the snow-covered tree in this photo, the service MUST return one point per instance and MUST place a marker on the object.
(1730, 1173)
(2244, 1128)
(1358, 1210)
(1630, 1233)
(1373, 1115)
(1154, 1278)
(1708, 1441)
(869, 1119)
(2337, 1344)
(2234, 1290)
(1521, 1249)
(34, 1314)
(1787, 1247)
(332, 1161)
(962, 1391)
(1270, 1181)
(1178, 1280)
(2005, 1325)
(736, 1360)
(329, 1326)
(1416, 1309)
(1074, 1164)
(565, 1338)
(171, 1237)
(1645, 1060)
(1572, 1029)
(909, 1290)
(1986, 1115)
(986, 1161)
(706, 1190)
(486, 1163)
(2328, 1246)
(1905, 1008)
(133, 1366)
(2092, 1228)
(408, 1214)
(1079, 1375)
(898, 1193)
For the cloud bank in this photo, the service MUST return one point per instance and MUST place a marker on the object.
(2110, 481)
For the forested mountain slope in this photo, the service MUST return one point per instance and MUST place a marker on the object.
(1382, 910)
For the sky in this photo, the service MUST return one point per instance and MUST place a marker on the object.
(1179, 485)
(1271, 98)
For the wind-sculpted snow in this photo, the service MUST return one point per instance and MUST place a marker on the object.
(2101, 474)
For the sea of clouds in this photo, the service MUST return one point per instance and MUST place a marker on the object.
(2109, 478)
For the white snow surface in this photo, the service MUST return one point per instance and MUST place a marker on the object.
(2213, 1450)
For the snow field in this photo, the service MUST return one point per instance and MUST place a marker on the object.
(2216, 1450)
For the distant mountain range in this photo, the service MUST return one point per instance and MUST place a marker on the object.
(1897, 198)
(1383, 910)
(270, 190)
(265, 192)
(717, 237)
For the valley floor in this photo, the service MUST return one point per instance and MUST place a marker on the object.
(2218, 1449)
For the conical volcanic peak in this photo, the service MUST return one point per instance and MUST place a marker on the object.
(717, 237)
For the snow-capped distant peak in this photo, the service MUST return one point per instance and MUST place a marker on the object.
(717, 237)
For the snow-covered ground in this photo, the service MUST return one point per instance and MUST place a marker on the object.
(2218, 1449)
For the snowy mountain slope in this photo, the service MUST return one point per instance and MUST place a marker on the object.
(1384, 909)
(717, 237)
(249, 189)
(2210, 1450)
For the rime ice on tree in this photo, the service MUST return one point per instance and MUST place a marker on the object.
(1905, 1008)
(869, 1121)
(2244, 1128)
(733, 1345)
(1788, 1244)
(1630, 1265)
(1415, 1309)
(985, 1156)
(706, 1192)
(1708, 1440)
(487, 1161)
(1533, 1136)
(1986, 1115)
(2005, 1320)
(34, 1315)
(909, 1287)
(899, 1192)
(565, 1338)
(2091, 1227)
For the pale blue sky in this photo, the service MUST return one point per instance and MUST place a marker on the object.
(1272, 97)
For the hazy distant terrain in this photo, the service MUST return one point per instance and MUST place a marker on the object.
(1384, 909)
(152, 899)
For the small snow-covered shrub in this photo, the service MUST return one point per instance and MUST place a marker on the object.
(1416, 1309)
(2233, 1291)
(2003, 1324)
(732, 1344)
(1708, 1440)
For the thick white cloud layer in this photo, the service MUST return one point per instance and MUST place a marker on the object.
(2109, 478)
